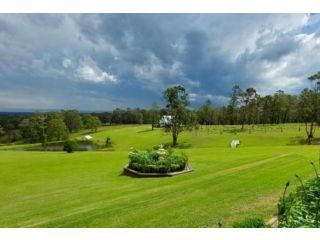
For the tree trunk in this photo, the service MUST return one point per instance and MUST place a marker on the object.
(310, 132)
(174, 139)
(152, 126)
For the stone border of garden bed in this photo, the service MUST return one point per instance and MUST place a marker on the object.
(130, 172)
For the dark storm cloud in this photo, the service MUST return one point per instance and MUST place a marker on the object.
(103, 61)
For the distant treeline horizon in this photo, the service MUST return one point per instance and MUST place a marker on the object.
(245, 107)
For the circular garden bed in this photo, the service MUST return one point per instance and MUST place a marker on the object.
(156, 163)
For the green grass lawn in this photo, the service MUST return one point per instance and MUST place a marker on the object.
(87, 189)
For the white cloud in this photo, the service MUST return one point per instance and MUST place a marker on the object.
(88, 70)
(202, 97)
(158, 74)
(66, 63)
(194, 83)
(206, 53)
(290, 73)
(193, 97)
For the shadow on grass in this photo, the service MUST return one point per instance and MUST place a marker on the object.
(235, 130)
(315, 141)
(183, 145)
(131, 175)
(298, 140)
(302, 141)
(143, 131)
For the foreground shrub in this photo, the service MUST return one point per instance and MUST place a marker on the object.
(250, 223)
(156, 161)
(69, 146)
(301, 208)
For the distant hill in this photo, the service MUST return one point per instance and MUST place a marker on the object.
(15, 113)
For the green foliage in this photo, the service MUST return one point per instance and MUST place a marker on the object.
(91, 122)
(302, 207)
(154, 162)
(2, 131)
(250, 223)
(57, 130)
(154, 115)
(309, 108)
(177, 101)
(30, 128)
(70, 146)
(206, 114)
(73, 120)
(14, 135)
(108, 142)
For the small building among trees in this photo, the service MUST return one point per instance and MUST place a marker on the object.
(165, 120)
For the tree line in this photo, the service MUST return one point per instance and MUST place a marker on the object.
(245, 107)
(45, 127)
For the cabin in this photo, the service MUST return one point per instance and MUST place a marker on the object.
(165, 120)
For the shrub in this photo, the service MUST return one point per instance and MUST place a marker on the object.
(156, 161)
(69, 146)
(301, 208)
(108, 142)
(250, 223)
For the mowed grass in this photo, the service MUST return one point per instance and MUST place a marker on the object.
(87, 189)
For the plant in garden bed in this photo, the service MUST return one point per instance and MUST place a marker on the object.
(156, 161)
(302, 207)
(250, 223)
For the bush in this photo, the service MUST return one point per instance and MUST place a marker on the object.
(108, 142)
(69, 146)
(156, 161)
(250, 223)
(302, 207)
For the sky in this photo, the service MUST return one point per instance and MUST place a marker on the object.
(97, 62)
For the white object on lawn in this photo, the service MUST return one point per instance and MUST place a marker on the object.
(235, 143)
(87, 137)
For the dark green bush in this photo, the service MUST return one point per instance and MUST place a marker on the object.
(250, 223)
(302, 207)
(108, 142)
(69, 146)
(153, 162)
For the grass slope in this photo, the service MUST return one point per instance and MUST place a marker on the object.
(87, 189)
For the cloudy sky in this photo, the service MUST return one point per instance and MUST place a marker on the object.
(99, 62)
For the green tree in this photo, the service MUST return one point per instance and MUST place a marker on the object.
(308, 110)
(251, 106)
(234, 103)
(14, 135)
(72, 120)
(177, 102)
(315, 79)
(2, 131)
(30, 128)
(206, 113)
(95, 123)
(57, 130)
(70, 146)
(117, 116)
(154, 115)
(91, 122)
